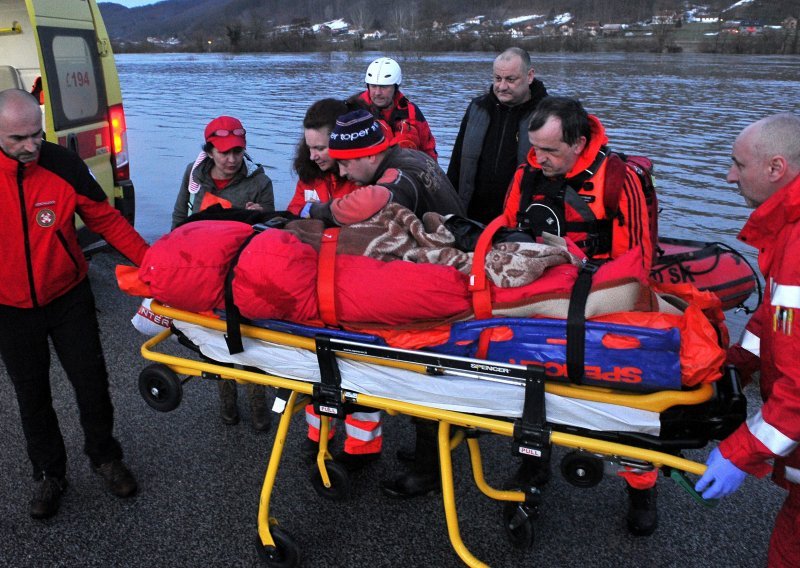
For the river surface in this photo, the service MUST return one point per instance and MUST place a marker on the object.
(681, 110)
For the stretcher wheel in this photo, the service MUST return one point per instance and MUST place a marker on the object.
(160, 387)
(340, 482)
(285, 553)
(518, 524)
(582, 469)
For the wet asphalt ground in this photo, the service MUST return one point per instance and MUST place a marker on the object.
(200, 483)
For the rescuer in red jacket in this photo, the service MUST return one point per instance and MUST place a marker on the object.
(46, 295)
(405, 125)
(766, 169)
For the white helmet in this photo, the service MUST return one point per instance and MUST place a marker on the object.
(383, 71)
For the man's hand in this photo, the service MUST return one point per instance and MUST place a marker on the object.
(720, 479)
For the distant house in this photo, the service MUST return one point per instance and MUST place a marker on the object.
(705, 18)
(666, 17)
(334, 27)
(591, 27)
(612, 29)
(567, 29)
(377, 34)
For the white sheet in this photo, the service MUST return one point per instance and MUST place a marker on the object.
(461, 394)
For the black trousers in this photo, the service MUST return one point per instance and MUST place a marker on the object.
(71, 323)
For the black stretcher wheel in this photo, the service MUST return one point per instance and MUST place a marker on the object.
(582, 469)
(340, 482)
(518, 524)
(285, 553)
(160, 387)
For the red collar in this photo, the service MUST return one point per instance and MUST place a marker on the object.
(782, 208)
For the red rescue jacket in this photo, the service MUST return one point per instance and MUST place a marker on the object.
(629, 225)
(773, 334)
(322, 189)
(404, 111)
(42, 259)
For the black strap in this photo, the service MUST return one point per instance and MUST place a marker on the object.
(531, 432)
(534, 182)
(233, 318)
(327, 394)
(576, 322)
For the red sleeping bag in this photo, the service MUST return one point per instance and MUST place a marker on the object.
(276, 278)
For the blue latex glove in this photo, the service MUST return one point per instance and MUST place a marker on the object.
(720, 479)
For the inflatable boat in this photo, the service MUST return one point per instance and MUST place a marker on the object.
(709, 266)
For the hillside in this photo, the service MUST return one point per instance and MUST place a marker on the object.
(184, 19)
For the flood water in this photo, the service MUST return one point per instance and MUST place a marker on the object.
(681, 110)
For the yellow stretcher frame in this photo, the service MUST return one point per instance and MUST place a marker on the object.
(446, 419)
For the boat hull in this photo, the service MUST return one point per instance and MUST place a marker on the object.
(714, 267)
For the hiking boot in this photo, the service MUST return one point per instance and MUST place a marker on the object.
(47, 497)
(642, 511)
(228, 411)
(412, 484)
(260, 417)
(119, 480)
(355, 462)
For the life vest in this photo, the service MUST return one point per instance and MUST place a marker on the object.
(585, 206)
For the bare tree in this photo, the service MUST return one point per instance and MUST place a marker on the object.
(360, 14)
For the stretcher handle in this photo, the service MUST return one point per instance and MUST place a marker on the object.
(680, 478)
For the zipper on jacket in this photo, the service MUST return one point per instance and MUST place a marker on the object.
(502, 139)
(62, 239)
(25, 236)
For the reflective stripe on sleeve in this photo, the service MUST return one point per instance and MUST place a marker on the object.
(771, 437)
(793, 474)
(752, 343)
(786, 296)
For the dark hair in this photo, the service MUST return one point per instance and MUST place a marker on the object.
(574, 118)
(321, 114)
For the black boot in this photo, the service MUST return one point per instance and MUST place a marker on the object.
(260, 417)
(642, 511)
(424, 476)
(47, 497)
(228, 411)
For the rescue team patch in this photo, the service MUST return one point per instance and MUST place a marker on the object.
(46, 218)
(782, 320)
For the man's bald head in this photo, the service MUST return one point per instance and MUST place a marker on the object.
(766, 157)
(20, 125)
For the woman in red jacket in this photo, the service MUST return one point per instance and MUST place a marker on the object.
(319, 181)
(318, 173)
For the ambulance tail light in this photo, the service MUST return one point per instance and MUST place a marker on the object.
(119, 143)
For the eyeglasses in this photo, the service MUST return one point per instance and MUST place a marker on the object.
(235, 132)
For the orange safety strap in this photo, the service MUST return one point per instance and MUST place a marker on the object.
(479, 285)
(326, 272)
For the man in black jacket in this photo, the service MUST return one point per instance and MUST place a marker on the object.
(493, 138)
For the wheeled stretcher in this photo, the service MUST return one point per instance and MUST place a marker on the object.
(334, 369)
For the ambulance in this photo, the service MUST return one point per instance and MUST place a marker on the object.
(59, 50)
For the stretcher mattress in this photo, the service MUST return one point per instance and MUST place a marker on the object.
(468, 394)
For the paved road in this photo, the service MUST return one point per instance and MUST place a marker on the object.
(200, 482)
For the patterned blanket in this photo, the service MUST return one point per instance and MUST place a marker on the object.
(395, 233)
